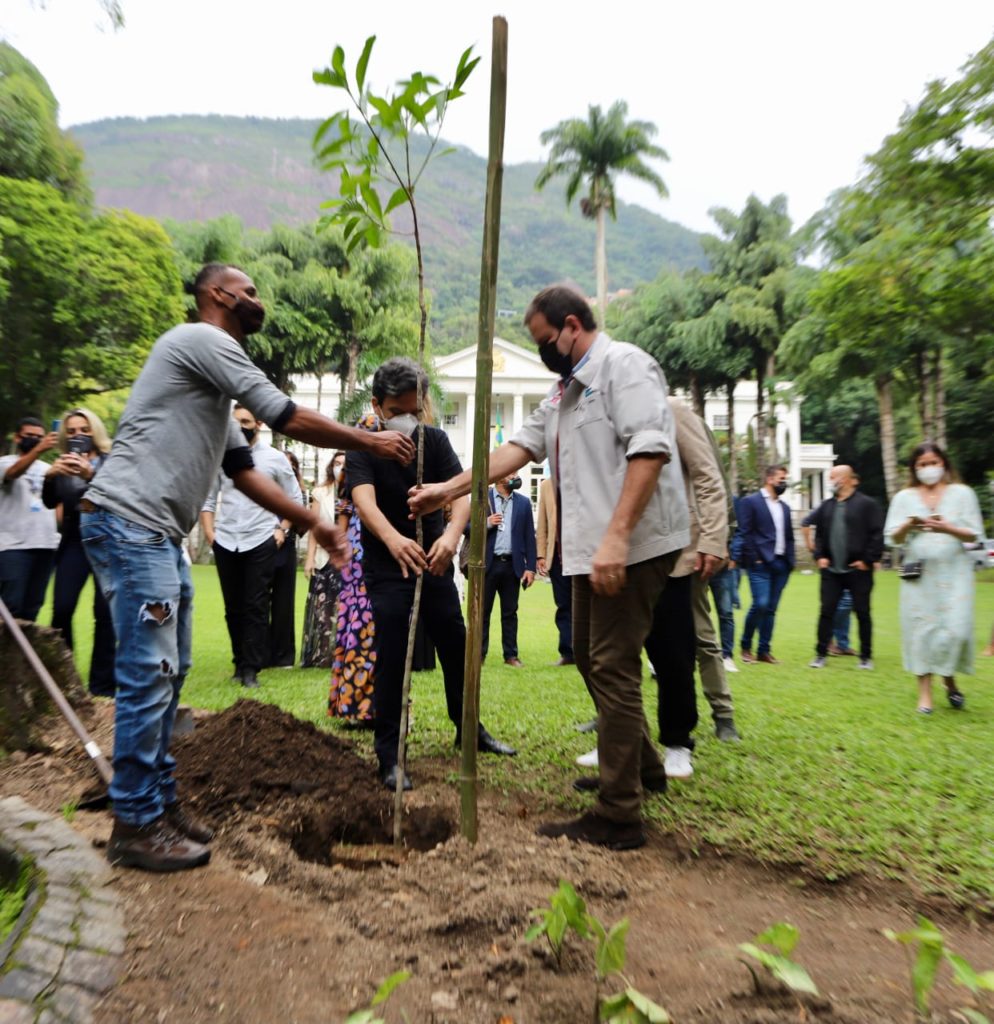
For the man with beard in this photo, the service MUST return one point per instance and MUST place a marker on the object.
(176, 433)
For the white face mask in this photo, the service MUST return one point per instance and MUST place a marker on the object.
(406, 424)
(833, 487)
(930, 475)
(336, 474)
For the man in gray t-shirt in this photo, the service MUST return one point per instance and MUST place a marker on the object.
(174, 437)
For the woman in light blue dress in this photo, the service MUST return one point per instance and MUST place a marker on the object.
(931, 518)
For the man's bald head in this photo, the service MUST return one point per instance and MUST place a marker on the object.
(844, 480)
(215, 275)
(227, 297)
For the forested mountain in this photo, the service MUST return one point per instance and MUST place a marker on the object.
(261, 170)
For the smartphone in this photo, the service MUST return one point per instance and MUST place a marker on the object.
(80, 444)
(55, 426)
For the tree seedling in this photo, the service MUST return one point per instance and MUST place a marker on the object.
(566, 910)
(931, 951)
(783, 938)
(368, 1015)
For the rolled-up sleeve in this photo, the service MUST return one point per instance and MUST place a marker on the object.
(531, 436)
(639, 408)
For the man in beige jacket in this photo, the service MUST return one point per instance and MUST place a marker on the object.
(550, 564)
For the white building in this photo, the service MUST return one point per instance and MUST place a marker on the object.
(521, 381)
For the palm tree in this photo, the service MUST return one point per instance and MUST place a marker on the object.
(594, 152)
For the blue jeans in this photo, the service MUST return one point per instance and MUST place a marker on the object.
(24, 575)
(147, 583)
(723, 587)
(840, 624)
(766, 581)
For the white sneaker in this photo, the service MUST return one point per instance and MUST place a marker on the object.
(588, 760)
(678, 764)
(730, 665)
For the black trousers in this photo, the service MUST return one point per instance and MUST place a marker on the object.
(562, 592)
(671, 646)
(501, 579)
(246, 578)
(72, 569)
(282, 633)
(859, 583)
(441, 614)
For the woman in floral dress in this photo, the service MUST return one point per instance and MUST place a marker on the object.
(317, 648)
(351, 695)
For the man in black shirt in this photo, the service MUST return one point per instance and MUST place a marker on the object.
(392, 558)
(848, 543)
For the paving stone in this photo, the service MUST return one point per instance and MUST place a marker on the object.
(59, 892)
(94, 971)
(58, 911)
(12, 1012)
(39, 955)
(47, 1017)
(52, 931)
(109, 913)
(101, 935)
(73, 1004)
(23, 983)
(66, 866)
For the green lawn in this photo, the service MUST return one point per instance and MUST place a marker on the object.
(837, 772)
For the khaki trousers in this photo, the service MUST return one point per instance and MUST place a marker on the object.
(711, 665)
(608, 636)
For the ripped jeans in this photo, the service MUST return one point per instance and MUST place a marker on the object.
(147, 583)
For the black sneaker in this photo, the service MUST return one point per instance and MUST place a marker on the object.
(592, 784)
(154, 847)
(592, 828)
(724, 729)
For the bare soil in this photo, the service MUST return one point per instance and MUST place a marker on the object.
(305, 908)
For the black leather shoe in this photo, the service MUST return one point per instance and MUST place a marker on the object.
(592, 783)
(186, 824)
(250, 680)
(592, 828)
(389, 778)
(486, 744)
(563, 661)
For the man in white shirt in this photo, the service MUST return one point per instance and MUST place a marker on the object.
(764, 548)
(246, 539)
(28, 534)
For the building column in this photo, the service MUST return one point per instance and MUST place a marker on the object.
(518, 416)
(470, 416)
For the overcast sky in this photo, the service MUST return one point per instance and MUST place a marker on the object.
(767, 96)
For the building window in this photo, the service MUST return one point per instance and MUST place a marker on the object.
(720, 421)
(450, 417)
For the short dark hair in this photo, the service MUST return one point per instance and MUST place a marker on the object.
(397, 376)
(773, 470)
(928, 448)
(28, 421)
(559, 301)
(209, 273)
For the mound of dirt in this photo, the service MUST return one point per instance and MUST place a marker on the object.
(253, 757)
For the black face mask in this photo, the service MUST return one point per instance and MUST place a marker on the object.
(29, 443)
(778, 489)
(249, 435)
(555, 360)
(514, 484)
(249, 314)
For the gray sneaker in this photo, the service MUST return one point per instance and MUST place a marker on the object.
(724, 729)
(865, 663)
(818, 662)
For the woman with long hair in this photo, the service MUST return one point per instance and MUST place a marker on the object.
(931, 518)
(83, 444)
(317, 648)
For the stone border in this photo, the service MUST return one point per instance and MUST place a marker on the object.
(71, 932)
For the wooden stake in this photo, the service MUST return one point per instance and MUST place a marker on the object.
(481, 431)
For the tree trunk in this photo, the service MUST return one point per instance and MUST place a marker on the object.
(771, 425)
(353, 364)
(697, 395)
(939, 381)
(600, 265)
(314, 449)
(760, 433)
(888, 447)
(733, 462)
(926, 396)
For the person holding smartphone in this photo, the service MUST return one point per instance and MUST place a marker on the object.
(28, 534)
(83, 443)
(931, 518)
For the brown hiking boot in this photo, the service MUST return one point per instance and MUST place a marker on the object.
(592, 828)
(186, 824)
(154, 847)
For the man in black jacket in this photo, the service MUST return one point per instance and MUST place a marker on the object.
(848, 542)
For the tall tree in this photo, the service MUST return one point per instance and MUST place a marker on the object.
(592, 153)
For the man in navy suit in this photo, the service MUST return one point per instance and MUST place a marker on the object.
(510, 562)
(764, 548)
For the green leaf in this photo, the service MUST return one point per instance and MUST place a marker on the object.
(610, 955)
(338, 63)
(612, 1007)
(387, 986)
(782, 936)
(465, 68)
(556, 928)
(985, 980)
(363, 62)
(963, 973)
(974, 1016)
(363, 1017)
(398, 198)
(372, 201)
(535, 931)
(328, 77)
(923, 973)
(652, 1012)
